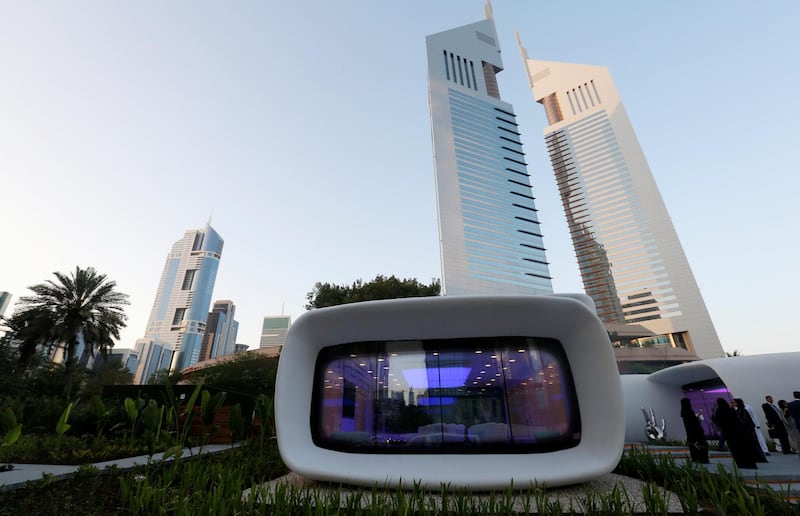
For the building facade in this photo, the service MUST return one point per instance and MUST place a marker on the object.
(221, 331)
(177, 321)
(631, 261)
(489, 233)
(5, 300)
(274, 330)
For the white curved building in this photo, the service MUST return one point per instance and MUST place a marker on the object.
(703, 381)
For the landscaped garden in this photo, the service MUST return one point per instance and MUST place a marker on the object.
(109, 426)
(64, 413)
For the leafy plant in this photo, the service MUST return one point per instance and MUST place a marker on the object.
(62, 426)
(236, 423)
(12, 429)
(209, 405)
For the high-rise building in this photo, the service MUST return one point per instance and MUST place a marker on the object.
(490, 238)
(5, 300)
(178, 319)
(631, 261)
(221, 331)
(274, 330)
(148, 358)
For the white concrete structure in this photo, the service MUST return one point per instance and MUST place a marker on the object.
(746, 377)
(490, 238)
(469, 391)
(630, 258)
(178, 318)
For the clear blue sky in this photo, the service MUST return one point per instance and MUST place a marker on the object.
(304, 127)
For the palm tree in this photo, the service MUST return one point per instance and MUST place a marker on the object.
(80, 308)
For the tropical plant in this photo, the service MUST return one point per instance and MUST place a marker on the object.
(9, 427)
(79, 308)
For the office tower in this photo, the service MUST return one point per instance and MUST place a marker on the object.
(149, 357)
(221, 330)
(5, 300)
(178, 318)
(630, 258)
(489, 231)
(273, 330)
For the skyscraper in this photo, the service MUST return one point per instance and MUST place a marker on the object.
(5, 300)
(489, 231)
(274, 330)
(178, 318)
(631, 261)
(221, 331)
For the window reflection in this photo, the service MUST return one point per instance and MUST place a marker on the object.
(482, 395)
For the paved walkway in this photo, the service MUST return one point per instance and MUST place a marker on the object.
(781, 473)
(23, 473)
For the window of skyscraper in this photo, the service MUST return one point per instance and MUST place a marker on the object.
(188, 279)
(178, 317)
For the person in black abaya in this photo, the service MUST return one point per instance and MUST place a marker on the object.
(695, 436)
(749, 430)
(728, 422)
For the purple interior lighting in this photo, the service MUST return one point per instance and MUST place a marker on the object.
(436, 401)
(423, 378)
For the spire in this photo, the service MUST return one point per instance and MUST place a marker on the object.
(487, 10)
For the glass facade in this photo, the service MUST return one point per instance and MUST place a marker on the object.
(491, 241)
(630, 258)
(497, 207)
(471, 395)
(622, 268)
(178, 319)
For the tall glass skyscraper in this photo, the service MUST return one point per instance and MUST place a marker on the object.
(490, 238)
(178, 318)
(629, 255)
(221, 331)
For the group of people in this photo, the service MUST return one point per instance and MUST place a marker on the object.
(740, 428)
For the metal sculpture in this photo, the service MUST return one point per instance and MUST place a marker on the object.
(653, 431)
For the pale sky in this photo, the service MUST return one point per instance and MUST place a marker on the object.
(304, 127)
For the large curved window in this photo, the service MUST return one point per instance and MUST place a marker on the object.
(471, 395)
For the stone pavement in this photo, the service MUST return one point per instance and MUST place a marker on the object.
(23, 473)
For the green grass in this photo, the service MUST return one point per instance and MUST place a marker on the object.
(213, 484)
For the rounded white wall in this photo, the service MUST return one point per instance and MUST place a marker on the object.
(746, 377)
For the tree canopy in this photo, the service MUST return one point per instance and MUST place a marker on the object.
(382, 287)
(79, 308)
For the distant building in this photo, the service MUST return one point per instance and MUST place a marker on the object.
(221, 331)
(122, 355)
(149, 357)
(273, 331)
(5, 300)
(631, 261)
(491, 242)
(178, 319)
(240, 348)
